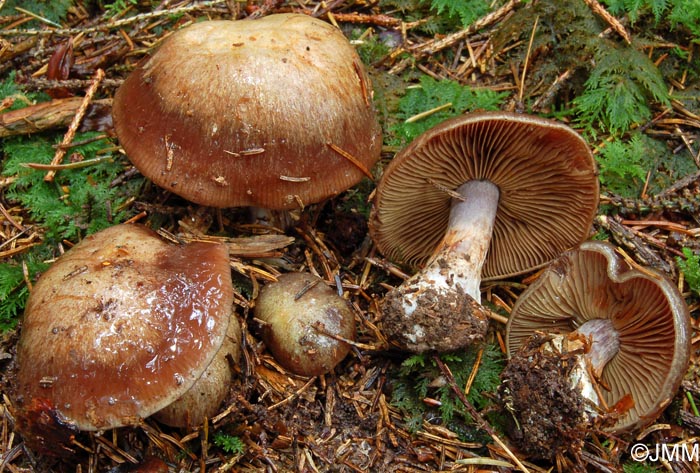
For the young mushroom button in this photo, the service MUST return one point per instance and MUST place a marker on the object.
(481, 196)
(634, 327)
(119, 327)
(304, 323)
(275, 113)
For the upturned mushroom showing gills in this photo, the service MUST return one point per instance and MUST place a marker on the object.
(118, 328)
(274, 113)
(305, 323)
(481, 196)
(614, 341)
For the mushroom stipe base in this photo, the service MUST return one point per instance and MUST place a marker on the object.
(546, 409)
(442, 322)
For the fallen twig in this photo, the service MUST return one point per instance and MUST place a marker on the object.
(75, 123)
(480, 421)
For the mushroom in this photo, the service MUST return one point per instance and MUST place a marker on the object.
(204, 398)
(119, 327)
(305, 323)
(622, 344)
(274, 113)
(481, 196)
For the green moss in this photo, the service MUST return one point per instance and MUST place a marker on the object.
(619, 90)
(79, 201)
(452, 98)
(690, 265)
(54, 11)
(419, 378)
(13, 290)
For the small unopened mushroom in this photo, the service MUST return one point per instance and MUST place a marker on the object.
(119, 327)
(275, 113)
(304, 323)
(481, 196)
(593, 342)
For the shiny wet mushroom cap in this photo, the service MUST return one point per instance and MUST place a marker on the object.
(635, 320)
(481, 196)
(275, 112)
(119, 327)
(301, 315)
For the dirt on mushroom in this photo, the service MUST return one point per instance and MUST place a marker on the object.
(547, 411)
(347, 421)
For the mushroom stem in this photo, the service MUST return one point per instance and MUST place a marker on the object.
(440, 308)
(461, 255)
(604, 342)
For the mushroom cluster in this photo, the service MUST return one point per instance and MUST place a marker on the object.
(481, 196)
(275, 112)
(593, 341)
(120, 327)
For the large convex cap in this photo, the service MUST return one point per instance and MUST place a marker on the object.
(544, 171)
(119, 327)
(275, 113)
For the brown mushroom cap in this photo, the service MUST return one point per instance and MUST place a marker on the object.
(545, 173)
(248, 113)
(119, 327)
(646, 309)
(299, 310)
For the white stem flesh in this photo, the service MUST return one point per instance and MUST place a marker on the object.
(604, 345)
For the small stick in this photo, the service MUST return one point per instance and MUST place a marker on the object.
(547, 97)
(427, 113)
(38, 17)
(114, 24)
(614, 23)
(453, 194)
(77, 165)
(481, 422)
(527, 59)
(352, 159)
(293, 395)
(70, 134)
(9, 218)
(435, 45)
(475, 369)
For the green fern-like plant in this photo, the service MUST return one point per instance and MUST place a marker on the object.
(13, 290)
(9, 89)
(690, 265)
(229, 443)
(440, 16)
(118, 7)
(686, 13)
(619, 89)
(416, 380)
(679, 13)
(430, 94)
(54, 11)
(79, 201)
(624, 164)
(637, 8)
(466, 10)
